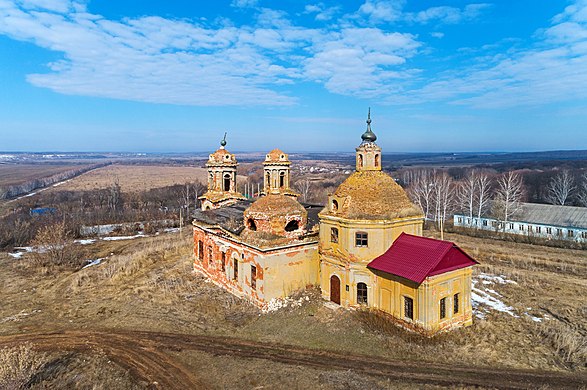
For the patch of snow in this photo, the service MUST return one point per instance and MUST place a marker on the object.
(171, 230)
(484, 297)
(16, 255)
(27, 249)
(280, 303)
(94, 262)
(488, 279)
(535, 319)
(118, 238)
(85, 241)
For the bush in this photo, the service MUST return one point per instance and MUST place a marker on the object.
(18, 365)
(55, 247)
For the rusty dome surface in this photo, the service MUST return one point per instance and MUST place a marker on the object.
(276, 204)
(372, 195)
(277, 156)
(222, 156)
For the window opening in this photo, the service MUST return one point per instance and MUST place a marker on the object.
(376, 160)
(210, 258)
(235, 270)
(334, 235)
(409, 308)
(282, 179)
(200, 250)
(334, 205)
(443, 308)
(253, 277)
(292, 226)
(361, 239)
(361, 293)
(223, 262)
(227, 182)
(455, 302)
(252, 224)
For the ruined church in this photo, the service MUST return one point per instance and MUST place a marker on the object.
(364, 248)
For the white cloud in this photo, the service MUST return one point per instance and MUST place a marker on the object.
(379, 11)
(322, 12)
(244, 3)
(437, 34)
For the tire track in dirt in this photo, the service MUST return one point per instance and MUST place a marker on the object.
(142, 353)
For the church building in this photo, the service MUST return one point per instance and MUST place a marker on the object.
(363, 249)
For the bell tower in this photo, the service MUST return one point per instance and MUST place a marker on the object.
(368, 153)
(276, 175)
(221, 179)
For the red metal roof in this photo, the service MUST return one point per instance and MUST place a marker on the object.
(415, 258)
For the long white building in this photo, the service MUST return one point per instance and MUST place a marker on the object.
(536, 220)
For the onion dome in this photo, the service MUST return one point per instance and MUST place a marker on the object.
(368, 135)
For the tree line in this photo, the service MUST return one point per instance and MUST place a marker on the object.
(12, 191)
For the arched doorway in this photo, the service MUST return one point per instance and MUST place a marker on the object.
(335, 289)
(226, 182)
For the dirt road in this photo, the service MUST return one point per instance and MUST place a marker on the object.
(143, 354)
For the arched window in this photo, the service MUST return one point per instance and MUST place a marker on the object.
(227, 182)
(281, 179)
(376, 160)
(334, 205)
(252, 224)
(360, 161)
(268, 180)
(361, 293)
(292, 226)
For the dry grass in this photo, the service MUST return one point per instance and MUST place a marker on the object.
(135, 178)
(15, 174)
(148, 284)
(18, 366)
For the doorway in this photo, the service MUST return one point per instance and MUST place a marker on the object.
(335, 289)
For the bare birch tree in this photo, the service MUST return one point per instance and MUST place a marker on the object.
(483, 192)
(561, 188)
(420, 190)
(466, 194)
(582, 195)
(303, 186)
(444, 199)
(508, 196)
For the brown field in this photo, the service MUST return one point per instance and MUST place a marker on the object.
(134, 178)
(144, 310)
(15, 174)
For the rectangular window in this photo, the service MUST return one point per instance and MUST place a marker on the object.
(494, 224)
(521, 227)
(334, 235)
(223, 261)
(253, 277)
(361, 239)
(235, 270)
(548, 230)
(200, 250)
(210, 257)
(484, 222)
(559, 232)
(460, 220)
(538, 229)
(584, 234)
(455, 303)
(409, 308)
(530, 228)
(443, 308)
(511, 226)
(571, 233)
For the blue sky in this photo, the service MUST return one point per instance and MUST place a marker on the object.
(172, 76)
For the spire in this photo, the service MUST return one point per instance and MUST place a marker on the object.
(368, 135)
(223, 142)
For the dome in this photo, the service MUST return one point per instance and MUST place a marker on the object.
(222, 156)
(276, 205)
(371, 195)
(276, 156)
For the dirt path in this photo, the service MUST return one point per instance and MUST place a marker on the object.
(142, 353)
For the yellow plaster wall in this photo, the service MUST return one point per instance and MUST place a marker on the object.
(390, 290)
(285, 273)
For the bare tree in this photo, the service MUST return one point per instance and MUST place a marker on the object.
(55, 247)
(483, 192)
(420, 190)
(582, 195)
(304, 187)
(466, 195)
(443, 196)
(508, 196)
(560, 188)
